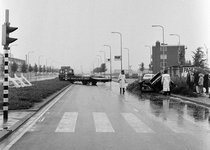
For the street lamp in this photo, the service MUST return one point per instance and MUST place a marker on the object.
(150, 53)
(179, 46)
(39, 59)
(120, 46)
(100, 59)
(104, 56)
(28, 63)
(128, 61)
(163, 44)
(10, 49)
(178, 53)
(28, 55)
(110, 60)
(46, 63)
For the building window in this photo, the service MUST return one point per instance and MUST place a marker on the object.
(163, 56)
(161, 64)
(165, 48)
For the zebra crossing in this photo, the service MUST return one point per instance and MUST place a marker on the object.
(102, 124)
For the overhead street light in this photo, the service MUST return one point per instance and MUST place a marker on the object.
(100, 58)
(39, 59)
(98, 61)
(150, 53)
(110, 60)
(179, 46)
(104, 56)
(120, 47)
(163, 45)
(128, 60)
(28, 56)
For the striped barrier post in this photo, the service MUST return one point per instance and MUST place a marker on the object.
(6, 85)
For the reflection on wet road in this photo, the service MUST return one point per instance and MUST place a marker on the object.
(174, 113)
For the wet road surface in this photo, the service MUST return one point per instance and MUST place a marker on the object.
(97, 118)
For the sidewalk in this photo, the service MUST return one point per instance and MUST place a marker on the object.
(201, 100)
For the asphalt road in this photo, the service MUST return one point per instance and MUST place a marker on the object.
(97, 118)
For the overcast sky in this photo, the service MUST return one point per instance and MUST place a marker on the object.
(72, 32)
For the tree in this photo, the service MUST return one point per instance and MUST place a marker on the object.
(198, 58)
(35, 68)
(141, 67)
(44, 69)
(103, 67)
(30, 68)
(24, 68)
(40, 68)
(188, 63)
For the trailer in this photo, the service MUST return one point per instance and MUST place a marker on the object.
(68, 75)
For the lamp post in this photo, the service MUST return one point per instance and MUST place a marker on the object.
(98, 61)
(128, 61)
(104, 60)
(39, 59)
(46, 63)
(39, 64)
(28, 62)
(28, 55)
(179, 63)
(163, 45)
(104, 56)
(179, 47)
(120, 46)
(100, 58)
(150, 53)
(10, 49)
(110, 60)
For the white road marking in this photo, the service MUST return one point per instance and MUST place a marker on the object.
(102, 123)
(34, 119)
(136, 124)
(136, 110)
(68, 122)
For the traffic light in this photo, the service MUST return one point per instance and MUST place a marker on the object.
(6, 30)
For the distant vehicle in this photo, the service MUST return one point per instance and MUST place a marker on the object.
(66, 73)
(148, 76)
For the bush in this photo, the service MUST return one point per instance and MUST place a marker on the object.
(182, 87)
(26, 97)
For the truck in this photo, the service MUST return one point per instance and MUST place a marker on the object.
(66, 73)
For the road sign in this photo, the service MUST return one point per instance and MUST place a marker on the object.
(117, 58)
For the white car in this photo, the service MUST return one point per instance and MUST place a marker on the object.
(148, 76)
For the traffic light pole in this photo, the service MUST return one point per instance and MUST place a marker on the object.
(6, 86)
(6, 40)
(6, 80)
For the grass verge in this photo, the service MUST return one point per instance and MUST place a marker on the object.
(26, 97)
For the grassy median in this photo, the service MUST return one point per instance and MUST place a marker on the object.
(26, 97)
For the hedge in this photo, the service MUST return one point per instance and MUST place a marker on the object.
(26, 97)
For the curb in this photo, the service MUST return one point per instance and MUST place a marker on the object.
(190, 100)
(6, 133)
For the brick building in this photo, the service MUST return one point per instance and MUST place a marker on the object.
(170, 57)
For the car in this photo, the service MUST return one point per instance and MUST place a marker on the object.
(148, 76)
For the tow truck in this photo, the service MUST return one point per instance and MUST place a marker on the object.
(66, 73)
